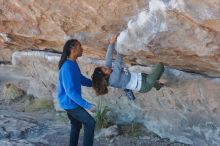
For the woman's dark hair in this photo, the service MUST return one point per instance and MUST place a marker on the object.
(66, 51)
(99, 82)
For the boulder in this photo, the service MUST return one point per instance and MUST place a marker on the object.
(186, 109)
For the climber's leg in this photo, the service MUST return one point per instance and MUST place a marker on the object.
(150, 80)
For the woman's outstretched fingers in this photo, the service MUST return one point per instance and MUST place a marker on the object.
(113, 39)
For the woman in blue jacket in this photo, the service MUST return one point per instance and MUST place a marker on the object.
(118, 77)
(69, 96)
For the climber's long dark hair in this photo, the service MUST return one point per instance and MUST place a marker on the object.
(99, 82)
(66, 51)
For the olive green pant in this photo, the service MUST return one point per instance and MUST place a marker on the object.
(150, 80)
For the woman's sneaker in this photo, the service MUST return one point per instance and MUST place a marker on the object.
(129, 94)
(158, 85)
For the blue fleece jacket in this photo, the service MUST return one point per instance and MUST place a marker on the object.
(70, 80)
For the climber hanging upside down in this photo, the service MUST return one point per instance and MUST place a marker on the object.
(118, 77)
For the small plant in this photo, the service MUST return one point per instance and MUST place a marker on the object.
(102, 120)
(37, 104)
(12, 93)
(133, 131)
(101, 116)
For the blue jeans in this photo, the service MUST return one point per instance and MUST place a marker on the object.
(79, 116)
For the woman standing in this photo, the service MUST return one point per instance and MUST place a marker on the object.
(69, 96)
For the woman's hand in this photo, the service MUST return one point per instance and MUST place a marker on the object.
(113, 39)
(93, 109)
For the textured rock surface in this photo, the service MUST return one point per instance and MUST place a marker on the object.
(31, 129)
(183, 34)
(186, 110)
(13, 75)
(42, 69)
(39, 129)
(107, 132)
(46, 24)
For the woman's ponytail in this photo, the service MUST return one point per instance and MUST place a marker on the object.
(66, 51)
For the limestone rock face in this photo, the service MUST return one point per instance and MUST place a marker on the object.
(182, 34)
(46, 24)
(42, 69)
(186, 109)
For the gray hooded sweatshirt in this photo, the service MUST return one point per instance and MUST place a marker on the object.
(119, 78)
